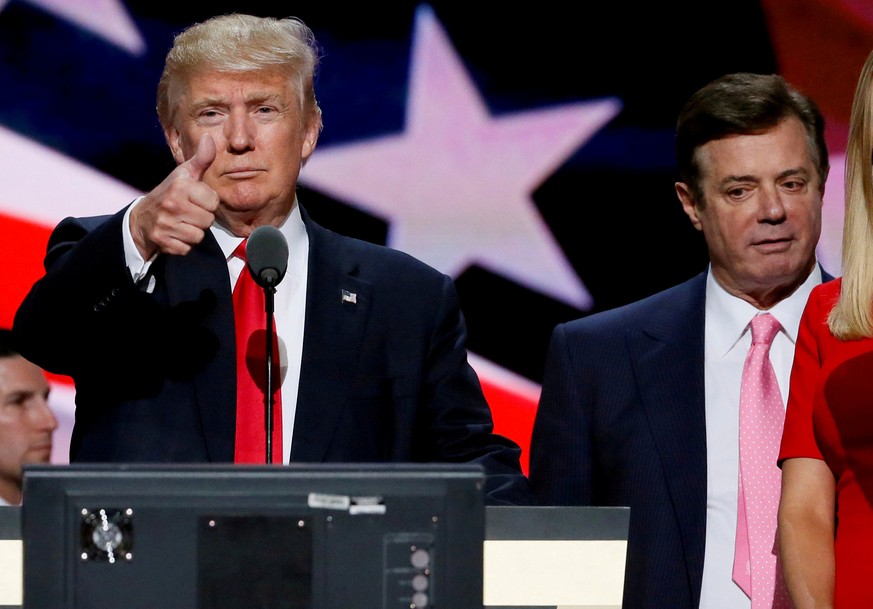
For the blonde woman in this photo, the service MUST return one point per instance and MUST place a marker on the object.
(825, 514)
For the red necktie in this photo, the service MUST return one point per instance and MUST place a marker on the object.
(761, 417)
(250, 321)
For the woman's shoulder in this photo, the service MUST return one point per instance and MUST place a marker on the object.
(827, 290)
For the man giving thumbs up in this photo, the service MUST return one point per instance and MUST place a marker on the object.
(137, 307)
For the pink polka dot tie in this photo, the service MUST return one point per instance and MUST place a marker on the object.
(761, 417)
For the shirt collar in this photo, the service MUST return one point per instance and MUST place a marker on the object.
(292, 228)
(734, 314)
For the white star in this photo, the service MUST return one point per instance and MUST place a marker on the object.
(108, 19)
(456, 186)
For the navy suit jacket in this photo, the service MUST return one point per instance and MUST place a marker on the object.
(383, 379)
(621, 422)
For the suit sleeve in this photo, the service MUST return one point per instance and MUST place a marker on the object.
(560, 453)
(87, 319)
(84, 273)
(461, 417)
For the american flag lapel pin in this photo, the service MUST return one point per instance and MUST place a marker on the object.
(349, 297)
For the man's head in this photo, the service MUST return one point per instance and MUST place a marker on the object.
(246, 83)
(752, 164)
(26, 421)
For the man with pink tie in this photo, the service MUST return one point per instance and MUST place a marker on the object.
(640, 405)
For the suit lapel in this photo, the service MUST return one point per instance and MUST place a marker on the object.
(204, 269)
(338, 305)
(669, 357)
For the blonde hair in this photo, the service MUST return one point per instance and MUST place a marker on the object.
(240, 43)
(852, 316)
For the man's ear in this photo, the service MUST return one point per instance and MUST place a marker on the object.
(174, 141)
(310, 139)
(689, 205)
(821, 188)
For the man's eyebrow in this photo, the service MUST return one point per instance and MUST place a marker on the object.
(205, 102)
(793, 171)
(738, 178)
(14, 397)
(256, 97)
(261, 96)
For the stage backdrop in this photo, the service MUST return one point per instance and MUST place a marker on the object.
(526, 152)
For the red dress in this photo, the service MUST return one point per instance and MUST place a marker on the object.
(830, 416)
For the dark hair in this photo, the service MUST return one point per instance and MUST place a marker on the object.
(743, 104)
(7, 345)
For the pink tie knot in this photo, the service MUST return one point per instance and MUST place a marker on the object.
(764, 329)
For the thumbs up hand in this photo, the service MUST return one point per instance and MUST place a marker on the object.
(175, 216)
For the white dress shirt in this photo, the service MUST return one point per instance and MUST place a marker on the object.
(727, 340)
(290, 302)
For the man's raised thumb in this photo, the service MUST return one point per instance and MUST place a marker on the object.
(203, 157)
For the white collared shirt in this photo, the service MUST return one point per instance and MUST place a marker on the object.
(290, 302)
(727, 340)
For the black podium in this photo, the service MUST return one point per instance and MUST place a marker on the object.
(263, 537)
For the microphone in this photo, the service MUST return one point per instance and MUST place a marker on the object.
(267, 256)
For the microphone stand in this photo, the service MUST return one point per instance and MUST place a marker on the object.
(269, 305)
(267, 259)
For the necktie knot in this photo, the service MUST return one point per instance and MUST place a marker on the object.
(240, 251)
(764, 329)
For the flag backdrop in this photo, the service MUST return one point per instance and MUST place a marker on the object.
(526, 152)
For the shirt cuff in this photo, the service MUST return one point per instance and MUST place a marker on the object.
(136, 264)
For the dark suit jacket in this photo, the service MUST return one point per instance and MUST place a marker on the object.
(621, 422)
(384, 379)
